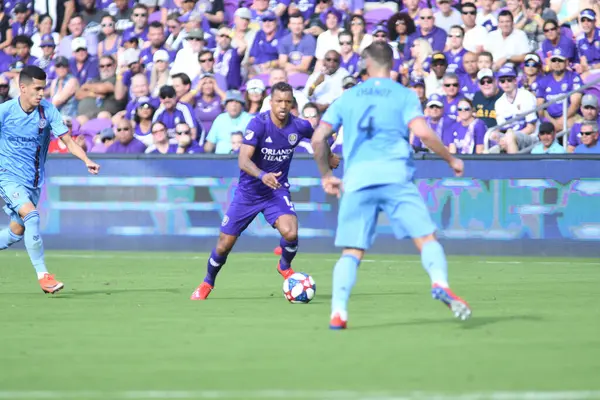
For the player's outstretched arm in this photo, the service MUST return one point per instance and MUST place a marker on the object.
(420, 128)
(247, 165)
(78, 152)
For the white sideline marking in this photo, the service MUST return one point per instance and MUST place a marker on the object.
(171, 256)
(292, 394)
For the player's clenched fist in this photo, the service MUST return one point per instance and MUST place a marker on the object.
(92, 167)
(334, 161)
(270, 179)
(332, 185)
(458, 166)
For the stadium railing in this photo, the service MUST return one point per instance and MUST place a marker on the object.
(519, 117)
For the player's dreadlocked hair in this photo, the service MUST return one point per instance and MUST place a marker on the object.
(282, 87)
(381, 53)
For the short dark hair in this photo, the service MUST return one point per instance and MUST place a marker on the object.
(486, 54)
(166, 91)
(23, 40)
(282, 87)
(296, 14)
(467, 5)
(31, 72)
(506, 13)
(460, 28)
(381, 53)
(156, 25)
(203, 52)
(185, 79)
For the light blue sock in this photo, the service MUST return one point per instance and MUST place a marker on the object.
(8, 238)
(33, 241)
(434, 262)
(344, 278)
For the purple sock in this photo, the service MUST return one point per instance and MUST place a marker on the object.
(213, 266)
(288, 252)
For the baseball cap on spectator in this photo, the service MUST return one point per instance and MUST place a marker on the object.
(106, 133)
(61, 61)
(348, 82)
(131, 56)
(78, 44)
(533, 57)
(589, 14)
(417, 81)
(47, 41)
(20, 8)
(435, 100)
(17, 66)
(439, 57)
(380, 28)
(557, 53)
(255, 85)
(209, 75)
(234, 95)
(589, 101)
(148, 3)
(196, 34)
(549, 15)
(485, 73)
(130, 36)
(243, 13)
(546, 127)
(268, 16)
(144, 102)
(161, 55)
(167, 92)
(506, 72)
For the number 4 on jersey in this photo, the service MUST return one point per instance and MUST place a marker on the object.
(366, 122)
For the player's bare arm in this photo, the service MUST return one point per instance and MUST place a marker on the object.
(325, 161)
(420, 128)
(247, 165)
(78, 152)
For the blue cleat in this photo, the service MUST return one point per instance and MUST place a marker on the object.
(459, 307)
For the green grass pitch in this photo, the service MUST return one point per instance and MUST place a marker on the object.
(124, 328)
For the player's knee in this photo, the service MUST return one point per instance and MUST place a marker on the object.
(289, 234)
(421, 241)
(225, 244)
(16, 228)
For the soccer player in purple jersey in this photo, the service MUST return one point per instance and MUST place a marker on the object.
(264, 161)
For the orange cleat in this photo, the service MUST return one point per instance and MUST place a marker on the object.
(459, 307)
(50, 285)
(337, 323)
(202, 292)
(285, 273)
(277, 251)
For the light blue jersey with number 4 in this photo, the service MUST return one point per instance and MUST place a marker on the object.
(375, 116)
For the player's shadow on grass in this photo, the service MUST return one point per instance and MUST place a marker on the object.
(473, 323)
(79, 293)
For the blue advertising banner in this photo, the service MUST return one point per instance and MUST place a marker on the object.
(501, 206)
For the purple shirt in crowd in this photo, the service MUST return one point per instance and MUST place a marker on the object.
(131, 31)
(436, 38)
(206, 111)
(27, 29)
(591, 50)
(10, 4)
(170, 118)
(133, 147)
(351, 65)
(468, 86)
(465, 138)
(306, 7)
(451, 108)
(133, 104)
(443, 125)
(575, 135)
(48, 67)
(549, 89)
(264, 51)
(274, 149)
(228, 64)
(147, 56)
(88, 71)
(295, 51)
(567, 48)
(455, 62)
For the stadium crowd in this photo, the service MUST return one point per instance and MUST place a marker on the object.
(186, 76)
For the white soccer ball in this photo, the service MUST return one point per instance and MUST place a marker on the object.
(299, 288)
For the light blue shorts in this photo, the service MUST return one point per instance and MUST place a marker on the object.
(15, 196)
(358, 213)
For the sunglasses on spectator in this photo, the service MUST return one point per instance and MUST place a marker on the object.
(255, 91)
(469, 13)
(431, 17)
(310, 115)
(194, 39)
(356, 23)
(435, 106)
(109, 25)
(589, 108)
(123, 129)
(105, 65)
(486, 81)
(222, 35)
(549, 30)
(167, 97)
(381, 35)
(332, 59)
(586, 20)
(104, 140)
(455, 36)
(400, 22)
(140, 15)
(531, 64)
(557, 60)
(464, 108)
(506, 80)
(205, 60)
(186, 132)
(450, 84)
(587, 133)
(346, 43)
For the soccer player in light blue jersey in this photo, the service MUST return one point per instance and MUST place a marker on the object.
(378, 171)
(27, 124)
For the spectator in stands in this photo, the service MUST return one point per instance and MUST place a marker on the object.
(125, 142)
(419, 64)
(228, 61)
(213, 11)
(484, 100)
(467, 133)
(22, 24)
(234, 119)
(255, 95)
(536, 17)
(139, 17)
(475, 34)
(172, 111)
(451, 88)
(103, 141)
(279, 75)
(156, 38)
(400, 27)
(110, 44)
(437, 121)
(243, 36)
(360, 38)
(556, 40)
(208, 101)
(486, 16)
(263, 54)
(185, 143)
(589, 111)
(97, 98)
(548, 143)
(22, 45)
(296, 50)
(176, 35)
(469, 84)
(328, 40)
(46, 60)
(427, 30)
(139, 89)
(456, 51)
(44, 28)
(552, 86)
(532, 73)
(5, 31)
(206, 60)
(76, 25)
(186, 60)
(159, 75)
(418, 86)
(182, 85)
(380, 34)
(122, 14)
(516, 9)
(589, 52)
(433, 81)
(237, 139)
(447, 16)
(63, 88)
(143, 120)
(324, 87)
(161, 144)
(129, 66)
(311, 114)
(348, 58)
(4, 88)
(91, 17)
(507, 44)
(315, 24)
(485, 60)
(589, 139)
(82, 65)
(515, 101)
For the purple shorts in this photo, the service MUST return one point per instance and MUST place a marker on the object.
(243, 210)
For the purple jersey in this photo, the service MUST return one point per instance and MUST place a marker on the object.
(131, 32)
(451, 107)
(575, 134)
(27, 29)
(466, 138)
(455, 62)
(589, 49)
(533, 87)
(436, 38)
(263, 50)
(307, 8)
(170, 118)
(468, 86)
(439, 127)
(206, 111)
(110, 6)
(295, 51)
(133, 147)
(228, 64)
(274, 148)
(89, 70)
(549, 89)
(565, 44)
(133, 104)
(352, 64)
(10, 4)
(147, 56)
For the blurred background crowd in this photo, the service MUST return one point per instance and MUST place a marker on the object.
(186, 76)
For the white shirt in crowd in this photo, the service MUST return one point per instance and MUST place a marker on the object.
(515, 44)
(445, 23)
(478, 36)
(524, 100)
(329, 90)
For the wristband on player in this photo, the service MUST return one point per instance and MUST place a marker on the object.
(260, 176)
